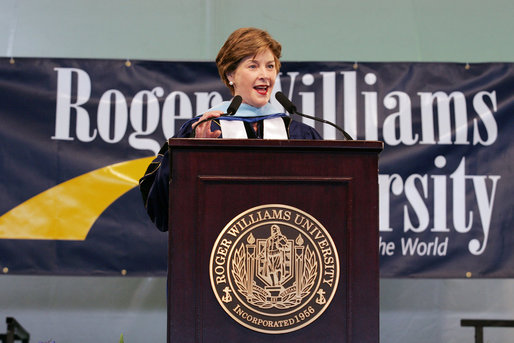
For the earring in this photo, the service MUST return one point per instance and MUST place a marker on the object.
(231, 83)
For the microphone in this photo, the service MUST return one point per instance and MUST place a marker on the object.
(291, 108)
(231, 110)
(234, 105)
(284, 101)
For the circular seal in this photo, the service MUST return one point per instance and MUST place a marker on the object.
(274, 269)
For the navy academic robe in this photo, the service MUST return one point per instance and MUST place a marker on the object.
(154, 185)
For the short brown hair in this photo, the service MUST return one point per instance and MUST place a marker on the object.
(243, 42)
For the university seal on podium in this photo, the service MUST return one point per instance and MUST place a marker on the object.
(274, 269)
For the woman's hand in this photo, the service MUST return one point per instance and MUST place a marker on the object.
(203, 130)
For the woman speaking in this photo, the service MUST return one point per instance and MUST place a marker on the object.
(248, 64)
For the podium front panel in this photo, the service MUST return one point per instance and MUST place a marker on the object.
(213, 182)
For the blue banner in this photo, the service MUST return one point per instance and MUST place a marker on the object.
(77, 135)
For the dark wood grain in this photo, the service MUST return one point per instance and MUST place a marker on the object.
(212, 181)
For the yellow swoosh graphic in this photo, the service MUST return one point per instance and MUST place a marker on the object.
(68, 210)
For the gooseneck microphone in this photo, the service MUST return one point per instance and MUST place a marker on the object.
(284, 101)
(291, 108)
(234, 105)
(231, 110)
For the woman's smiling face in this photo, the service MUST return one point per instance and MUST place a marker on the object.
(254, 78)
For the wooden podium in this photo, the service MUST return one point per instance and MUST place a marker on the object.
(215, 183)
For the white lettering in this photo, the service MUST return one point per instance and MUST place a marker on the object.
(169, 111)
(440, 224)
(487, 118)
(371, 109)
(120, 119)
(418, 205)
(401, 119)
(65, 105)
(206, 100)
(329, 103)
(308, 103)
(443, 111)
(350, 102)
(152, 118)
(414, 246)
(416, 199)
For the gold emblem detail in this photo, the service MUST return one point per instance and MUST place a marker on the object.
(274, 269)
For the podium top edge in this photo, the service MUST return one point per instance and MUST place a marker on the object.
(278, 144)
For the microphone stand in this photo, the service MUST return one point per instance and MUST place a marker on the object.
(291, 108)
(346, 135)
